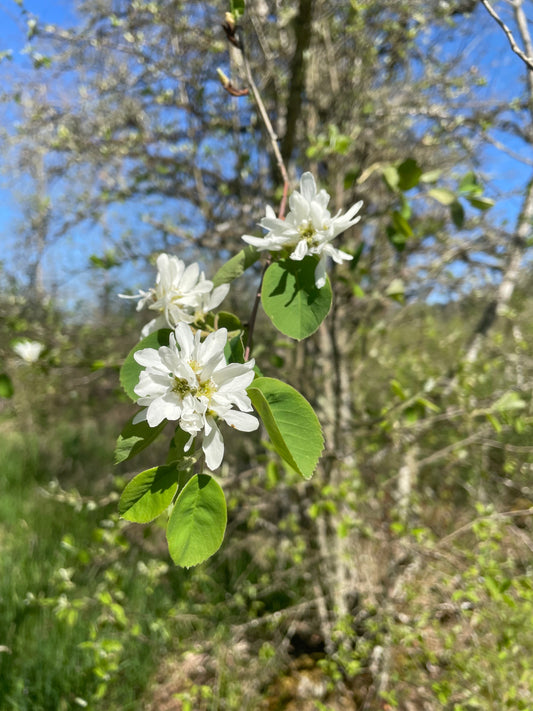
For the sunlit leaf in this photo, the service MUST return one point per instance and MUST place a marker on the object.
(149, 493)
(130, 371)
(198, 521)
(291, 423)
(292, 301)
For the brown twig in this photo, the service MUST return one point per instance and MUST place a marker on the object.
(514, 46)
(253, 315)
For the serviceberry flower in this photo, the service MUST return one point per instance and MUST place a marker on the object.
(308, 228)
(29, 351)
(181, 294)
(190, 382)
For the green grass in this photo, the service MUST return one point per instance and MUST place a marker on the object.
(75, 617)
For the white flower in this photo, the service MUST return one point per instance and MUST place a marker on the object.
(308, 228)
(28, 350)
(181, 294)
(190, 382)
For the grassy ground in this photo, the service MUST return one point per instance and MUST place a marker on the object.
(76, 622)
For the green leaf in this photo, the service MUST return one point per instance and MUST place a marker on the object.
(396, 290)
(149, 493)
(397, 389)
(458, 214)
(234, 350)
(229, 321)
(401, 225)
(236, 265)
(130, 371)
(409, 173)
(508, 401)
(291, 423)
(237, 8)
(481, 203)
(198, 521)
(6, 386)
(431, 176)
(134, 438)
(291, 300)
(470, 184)
(442, 195)
(177, 447)
(391, 177)
(397, 239)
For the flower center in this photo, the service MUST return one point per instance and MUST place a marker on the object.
(308, 232)
(181, 387)
(205, 388)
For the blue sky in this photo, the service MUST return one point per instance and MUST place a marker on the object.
(485, 47)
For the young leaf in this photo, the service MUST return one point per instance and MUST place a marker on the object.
(236, 265)
(234, 350)
(401, 225)
(291, 300)
(177, 446)
(198, 521)
(229, 321)
(134, 438)
(291, 423)
(391, 177)
(481, 203)
(148, 494)
(409, 173)
(458, 214)
(442, 195)
(6, 386)
(130, 371)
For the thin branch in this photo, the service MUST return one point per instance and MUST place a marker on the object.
(528, 61)
(253, 315)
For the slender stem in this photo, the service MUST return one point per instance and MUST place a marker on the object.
(514, 46)
(253, 315)
(268, 125)
(283, 170)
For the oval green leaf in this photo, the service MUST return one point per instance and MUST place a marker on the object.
(198, 521)
(291, 423)
(236, 265)
(130, 371)
(409, 173)
(148, 494)
(134, 438)
(291, 300)
(6, 386)
(442, 195)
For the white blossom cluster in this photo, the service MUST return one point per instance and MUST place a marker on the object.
(308, 228)
(181, 295)
(189, 381)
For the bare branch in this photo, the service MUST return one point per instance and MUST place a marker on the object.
(528, 61)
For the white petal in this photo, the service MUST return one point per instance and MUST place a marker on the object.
(337, 255)
(234, 377)
(218, 295)
(148, 357)
(213, 444)
(301, 251)
(241, 421)
(190, 277)
(185, 340)
(139, 417)
(261, 243)
(308, 186)
(154, 325)
(299, 206)
(320, 272)
(163, 408)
